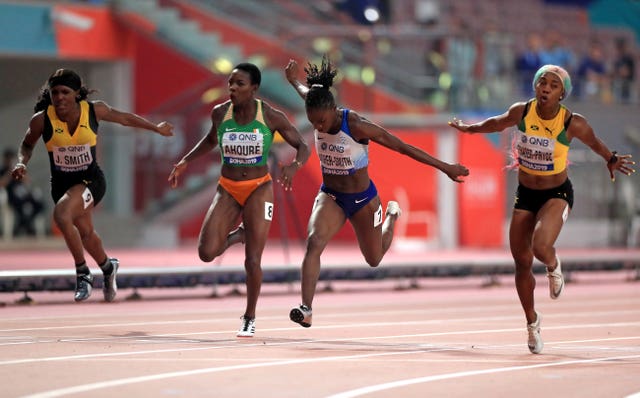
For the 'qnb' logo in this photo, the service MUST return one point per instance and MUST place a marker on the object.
(523, 139)
(323, 146)
(539, 141)
(233, 137)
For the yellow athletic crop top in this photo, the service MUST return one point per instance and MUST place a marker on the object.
(542, 145)
(71, 152)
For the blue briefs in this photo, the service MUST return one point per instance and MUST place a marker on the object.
(350, 203)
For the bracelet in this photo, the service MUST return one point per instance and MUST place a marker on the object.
(614, 158)
(297, 162)
(20, 164)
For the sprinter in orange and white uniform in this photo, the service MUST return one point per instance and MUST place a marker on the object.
(544, 196)
(243, 127)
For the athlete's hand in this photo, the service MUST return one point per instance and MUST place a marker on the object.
(178, 169)
(456, 171)
(459, 125)
(622, 164)
(19, 171)
(291, 71)
(287, 173)
(165, 129)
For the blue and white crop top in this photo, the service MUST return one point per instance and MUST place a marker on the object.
(339, 153)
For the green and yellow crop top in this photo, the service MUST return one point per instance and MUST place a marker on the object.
(542, 145)
(245, 145)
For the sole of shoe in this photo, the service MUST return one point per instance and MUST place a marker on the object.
(107, 294)
(297, 316)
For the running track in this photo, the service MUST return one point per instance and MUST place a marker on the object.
(447, 337)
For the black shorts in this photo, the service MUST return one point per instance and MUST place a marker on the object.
(95, 181)
(533, 199)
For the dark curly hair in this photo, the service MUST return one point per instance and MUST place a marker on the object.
(319, 81)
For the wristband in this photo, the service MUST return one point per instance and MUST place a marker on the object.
(614, 158)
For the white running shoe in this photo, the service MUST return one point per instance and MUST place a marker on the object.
(556, 280)
(301, 315)
(393, 208)
(535, 341)
(247, 327)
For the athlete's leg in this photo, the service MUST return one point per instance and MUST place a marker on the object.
(550, 220)
(374, 237)
(520, 235)
(326, 220)
(256, 217)
(67, 210)
(90, 239)
(221, 217)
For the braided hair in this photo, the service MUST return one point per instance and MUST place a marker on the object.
(65, 77)
(319, 82)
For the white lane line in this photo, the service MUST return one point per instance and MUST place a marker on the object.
(423, 313)
(281, 343)
(161, 376)
(427, 379)
(465, 320)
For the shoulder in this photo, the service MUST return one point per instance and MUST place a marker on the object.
(219, 110)
(578, 121)
(520, 106)
(273, 116)
(37, 118)
(267, 109)
(37, 124)
(100, 108)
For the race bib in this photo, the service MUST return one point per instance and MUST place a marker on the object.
(72, 158)
(242, 148)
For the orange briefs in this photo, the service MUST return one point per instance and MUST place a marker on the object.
(241, 190)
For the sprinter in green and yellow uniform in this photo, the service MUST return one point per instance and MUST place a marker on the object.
(68, 124)
(243, 127)
(545, 195)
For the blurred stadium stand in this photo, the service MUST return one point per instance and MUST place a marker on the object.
(206, 38)
(169, 59)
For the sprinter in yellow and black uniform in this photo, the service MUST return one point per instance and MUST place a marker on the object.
(545, 195)
(68, 125)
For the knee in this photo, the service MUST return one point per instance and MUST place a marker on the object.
(542, 250)
(252, 265)
(315, 243)
(523, 262)
(62, 217)
(373, 261)
(206, 254)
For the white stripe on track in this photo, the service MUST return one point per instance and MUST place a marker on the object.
(402, 383)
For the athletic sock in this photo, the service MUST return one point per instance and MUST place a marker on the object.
(82, 269)
(106, 267)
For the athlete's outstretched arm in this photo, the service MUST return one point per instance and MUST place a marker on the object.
(362, 128)
(291, 72)
(493, 124)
